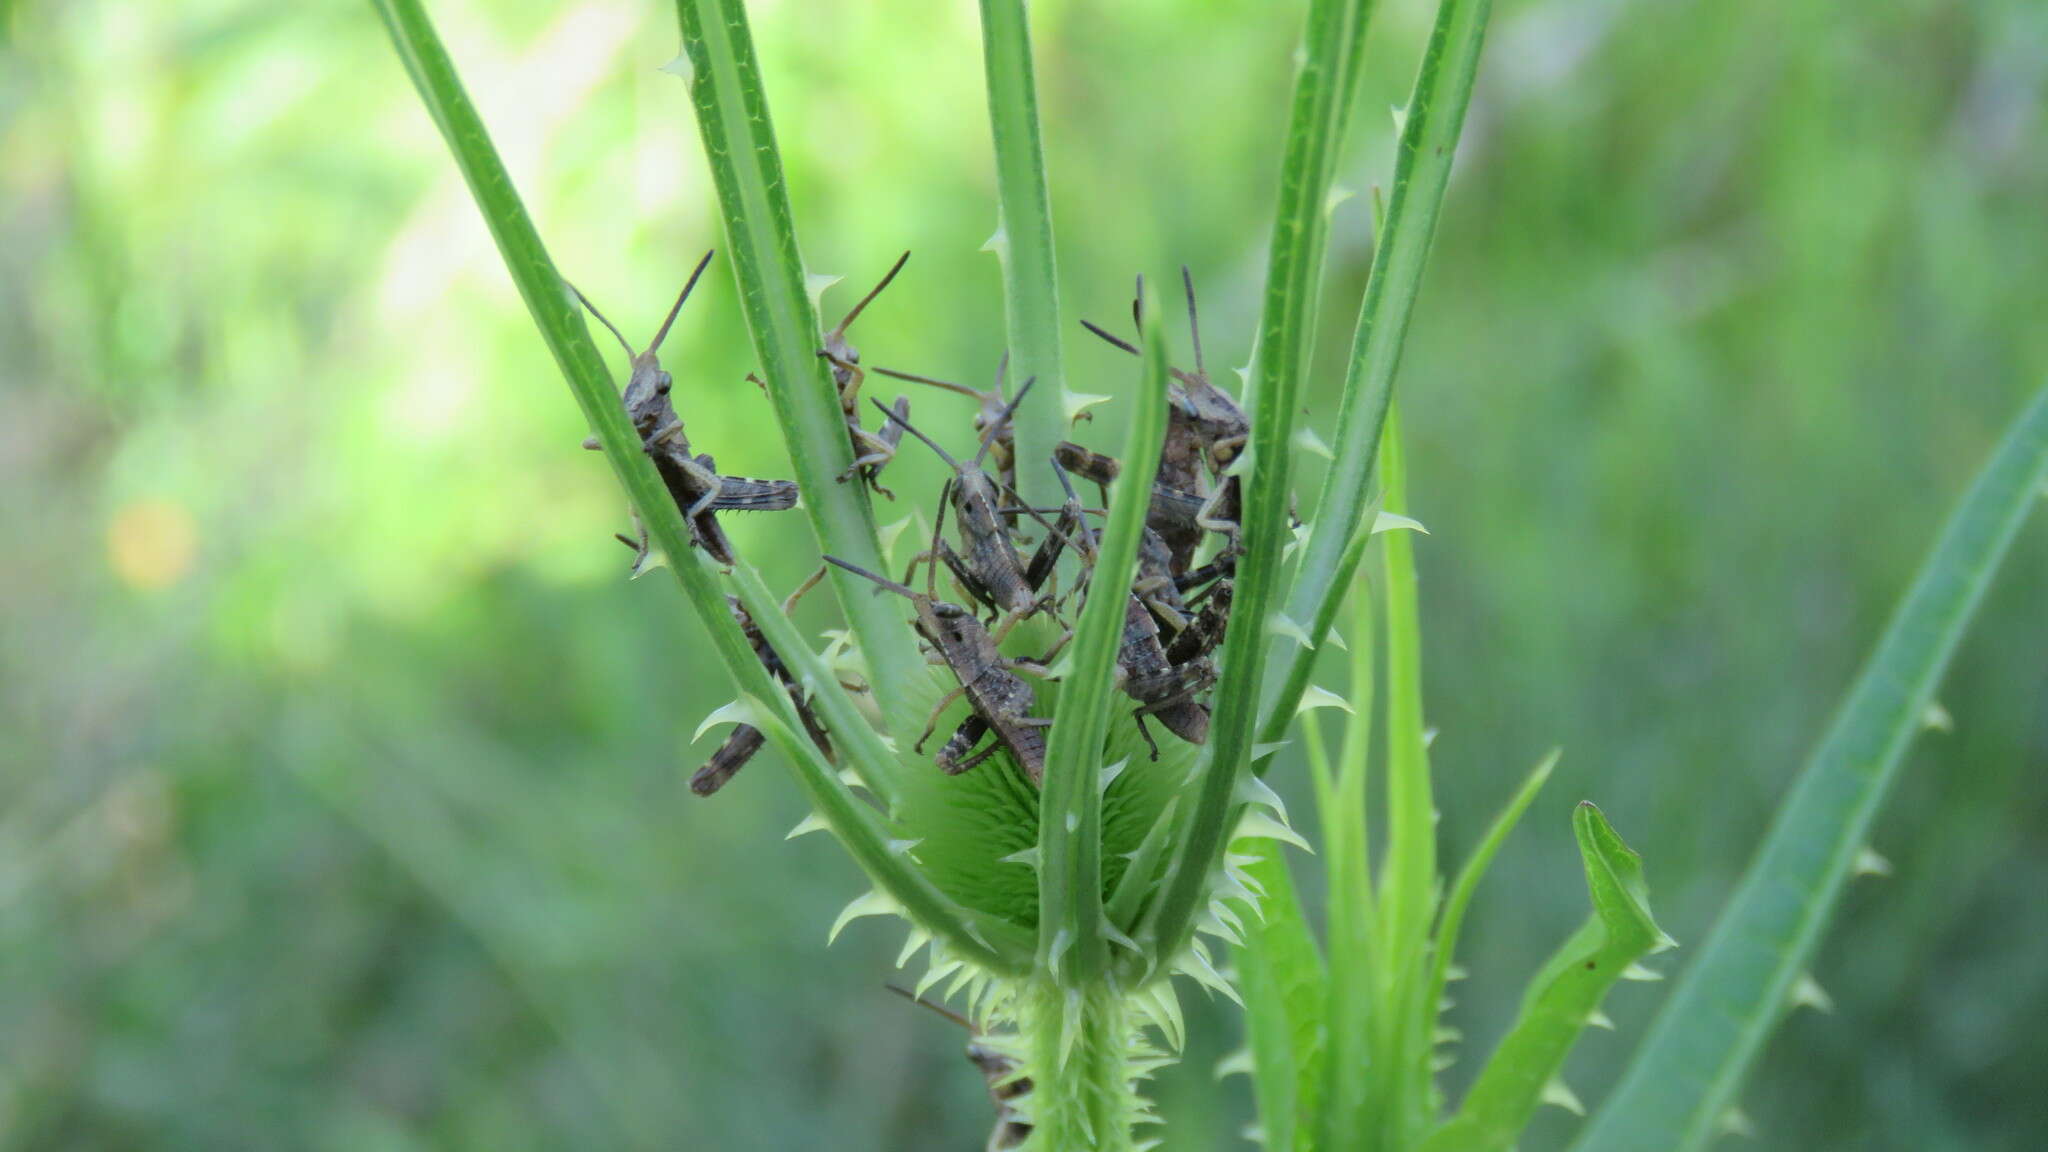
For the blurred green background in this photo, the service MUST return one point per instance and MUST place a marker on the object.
(341, 770)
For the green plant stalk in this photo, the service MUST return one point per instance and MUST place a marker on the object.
(1684, 1080)
(1422, 170)
(1072, 945)
(1333, 38)
(560, 320)
(1031, 295)
(1079, 1051)
(557, 315)
(724, 79)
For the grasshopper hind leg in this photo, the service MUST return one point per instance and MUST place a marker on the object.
(962, 741)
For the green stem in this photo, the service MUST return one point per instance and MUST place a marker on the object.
(739, 143)
(1079, 1049)
(1422, 169)
(1024, 240)
(1072, 943)
(1323, 96)
(560, 320)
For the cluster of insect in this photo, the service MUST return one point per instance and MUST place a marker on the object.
(1002, 553)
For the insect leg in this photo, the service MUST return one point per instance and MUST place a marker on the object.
(739, 747)
(1042, 665)
(932, 724)
(963, 740)
(1146, 732)
(707, 478)
(810, 582)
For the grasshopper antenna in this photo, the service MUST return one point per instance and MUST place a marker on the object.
(948, 1013)
(912, 429)
(1073, 502)
(993, 396)
(1052, 529)
(886, 583)
(1067, 484)
(1119, 342)
(988, 436)
(655, 345)
(1187, 280)
(931, 560)
(914, 378)
(1138, 305)
(854, 314)
(592, 309)
(1112, 338)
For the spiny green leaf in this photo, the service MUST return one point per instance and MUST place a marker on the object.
(1281, 974)
(1453, 916)
(1704, 1039)
(1399, 1089)
(1522, 1072)
(1354, 962)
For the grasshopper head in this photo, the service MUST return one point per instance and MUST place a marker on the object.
(945, 624)
(1213, 410)
(844, 358)
(646, 399)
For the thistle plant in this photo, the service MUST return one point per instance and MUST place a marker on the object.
(1060, 863)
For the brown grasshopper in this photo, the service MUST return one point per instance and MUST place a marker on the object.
(1172, 519)
(1005, 1085)
(692, 480)
(999, 698)
(1217, 424)
(990, 570)
(1162, 688)
(1205, 430)
(745, 739)
(871, 450)
(1090, 465)
(1143, 669)
(1155, 583)
(1169, 692)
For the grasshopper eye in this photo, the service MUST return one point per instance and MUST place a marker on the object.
(663, 383)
